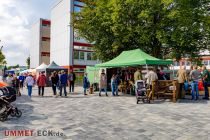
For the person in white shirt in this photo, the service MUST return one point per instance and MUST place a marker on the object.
(151, 76)
(29, 83)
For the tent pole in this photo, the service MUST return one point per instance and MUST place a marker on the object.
(173, 71)
(147, 68)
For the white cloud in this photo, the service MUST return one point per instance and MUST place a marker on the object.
(11, 54)
(13, 32)
(16, 17)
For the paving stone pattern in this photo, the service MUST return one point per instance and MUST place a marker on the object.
(91, 117)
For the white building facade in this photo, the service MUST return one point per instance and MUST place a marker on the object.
(40, 43)
(66, 49)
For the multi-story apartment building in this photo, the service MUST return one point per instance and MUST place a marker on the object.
(40, 43)
(67, 49)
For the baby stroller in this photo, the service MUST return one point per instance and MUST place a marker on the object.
(7, 96)
(141, 92)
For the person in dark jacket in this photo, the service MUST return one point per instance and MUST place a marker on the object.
(86, 83)
(54, 80)
(21, 79)
(205, 79)
(71, 79)
(63, 82)
(16, 85)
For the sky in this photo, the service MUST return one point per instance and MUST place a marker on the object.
(16, 18)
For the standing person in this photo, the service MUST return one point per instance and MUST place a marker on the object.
(113, 84)
(160, 75)
(188, 73)
(206, 79)
(137, 75)
(9, 80)
(63, 82)
(30, 83)
(86, 83)
(59, 76)
(21, 79)
(71, 79)
(41, 82)
(195, 75)
(54, 80)
(151, 76)
(117, 81)
(182, 77)
(103, 82)
(16, 85)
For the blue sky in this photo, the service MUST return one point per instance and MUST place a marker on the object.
(16, 18)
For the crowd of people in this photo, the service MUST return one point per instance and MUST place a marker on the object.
(192, 78)
(60, 80)
(185, 80)
(117, 79)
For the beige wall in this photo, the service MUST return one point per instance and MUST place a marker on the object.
(46, 59)
(46, 31)
(45, 46)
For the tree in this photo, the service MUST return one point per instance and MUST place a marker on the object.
(28, 62)
(2, 59)
(14, 67)
(159, 27)
(191, 29)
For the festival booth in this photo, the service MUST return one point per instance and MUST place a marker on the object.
(41, 68)
(51, 68)
(136, 58)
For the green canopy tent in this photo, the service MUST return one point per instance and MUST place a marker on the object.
(133, 58)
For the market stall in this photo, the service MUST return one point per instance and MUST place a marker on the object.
(41, 68)
(132, 59)
(51, 68)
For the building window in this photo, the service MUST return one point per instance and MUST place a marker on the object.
(89, 56)
(205, 62)
(83, 48)
(45, 39)
(76, 54)
(77, 9)
(81, 55)
(45, 54)
(78, 3)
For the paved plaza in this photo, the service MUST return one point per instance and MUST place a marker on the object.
(91, 117)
